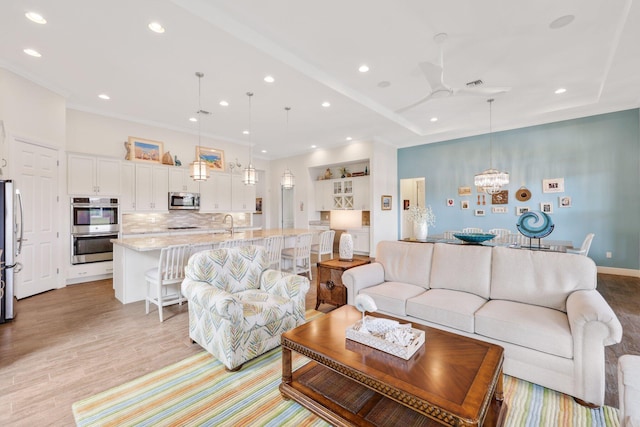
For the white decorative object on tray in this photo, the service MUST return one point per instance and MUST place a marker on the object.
(390, 336)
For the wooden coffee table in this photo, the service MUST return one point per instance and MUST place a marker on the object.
(452, 380)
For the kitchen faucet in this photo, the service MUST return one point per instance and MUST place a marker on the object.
(225, 219)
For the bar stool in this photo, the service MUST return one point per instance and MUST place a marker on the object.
(168, 273)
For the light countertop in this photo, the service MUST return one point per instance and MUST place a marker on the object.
(142, 244)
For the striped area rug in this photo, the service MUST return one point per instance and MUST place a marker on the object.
(198, 391)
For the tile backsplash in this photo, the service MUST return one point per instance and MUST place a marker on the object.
(133, 223)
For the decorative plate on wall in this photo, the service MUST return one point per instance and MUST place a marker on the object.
(523, 194)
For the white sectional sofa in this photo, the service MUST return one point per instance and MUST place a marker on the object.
(541, 307)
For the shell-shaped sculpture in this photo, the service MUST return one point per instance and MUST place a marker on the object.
(365, 303)
(535, 224)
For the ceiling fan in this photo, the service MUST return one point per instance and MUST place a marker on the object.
(434, 74)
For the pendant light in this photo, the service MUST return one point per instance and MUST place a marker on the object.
(199, 171)
(288, 180)
(249, 176)
(491, 180)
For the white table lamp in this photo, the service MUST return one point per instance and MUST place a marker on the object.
(344, 220)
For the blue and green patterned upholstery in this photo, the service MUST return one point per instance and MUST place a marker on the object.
(237, 307)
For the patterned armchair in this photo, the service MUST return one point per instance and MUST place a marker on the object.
(237, 307)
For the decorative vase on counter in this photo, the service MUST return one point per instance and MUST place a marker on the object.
(420, 230)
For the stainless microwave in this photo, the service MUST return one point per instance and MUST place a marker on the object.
(178, 201)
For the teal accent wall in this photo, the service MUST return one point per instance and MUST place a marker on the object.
(598, 157)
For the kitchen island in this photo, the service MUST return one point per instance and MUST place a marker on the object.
(132, 257)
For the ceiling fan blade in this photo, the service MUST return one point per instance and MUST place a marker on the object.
(481, 91)
(433, 73)
(415, 104)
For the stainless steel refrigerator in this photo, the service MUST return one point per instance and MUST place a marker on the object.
(11, 219)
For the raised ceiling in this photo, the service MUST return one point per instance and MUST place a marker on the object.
(313, 51)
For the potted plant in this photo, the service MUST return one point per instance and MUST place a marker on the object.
(422, 218)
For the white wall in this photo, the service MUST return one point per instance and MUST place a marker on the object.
(383, 172)
(105, 136)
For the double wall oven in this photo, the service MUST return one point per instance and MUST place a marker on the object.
(94, 222)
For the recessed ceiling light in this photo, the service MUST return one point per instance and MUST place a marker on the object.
(326, 104)
(224, 103)
(563, 21)
(348, 138)
(104, 96)
(314, 146)
(263, 151)
(383, 84)
(269, 79)
(156, 27)
(32, 52)
(245, 132)
(433, 119)
(35, 17)
(193, 119)
(560, 90)
(363, 68)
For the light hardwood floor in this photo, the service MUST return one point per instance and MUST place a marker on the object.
(71, 343)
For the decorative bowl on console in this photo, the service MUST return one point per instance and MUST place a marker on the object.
(474, 237)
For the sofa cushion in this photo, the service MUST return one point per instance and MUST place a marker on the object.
(629, 390)
(465, 268)
(392, 296)
(540, 278)
(405, 262)
(454, 309)
(530, 326)
(261, 308)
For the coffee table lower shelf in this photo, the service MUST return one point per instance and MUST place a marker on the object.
(342, 401)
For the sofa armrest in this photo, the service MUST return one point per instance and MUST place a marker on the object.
(286, 285)
(586, 307)
(593, 325)
(362, 277)
(212, 299)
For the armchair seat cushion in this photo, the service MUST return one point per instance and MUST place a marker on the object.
(539, 328)
(261, 308)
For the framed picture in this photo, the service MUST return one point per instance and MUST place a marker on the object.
(522, 209)
(405, 204)
(258, 205)
(464, 204)
(546, 207)
(213, 157)
(500, 198)
(499, 209)
(564, 202)
(144, 150)
(479, 212)
(553, 185)
(385, 203)
(464, 191)
(450, 203)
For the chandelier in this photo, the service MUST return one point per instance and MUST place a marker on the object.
(198, 170)
(288, 180)
(249, 176)
(491, 180)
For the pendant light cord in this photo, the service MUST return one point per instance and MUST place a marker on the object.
(490, 101)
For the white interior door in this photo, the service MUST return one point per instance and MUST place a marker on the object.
(36, 176)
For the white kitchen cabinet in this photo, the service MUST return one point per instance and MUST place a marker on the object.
(243, 197)
(180, 181)
(361, 195)
(81, 273)
(127, 186)
(91, 175)
(324, 195)
(360, 240)
(152, 188)
(215, 193)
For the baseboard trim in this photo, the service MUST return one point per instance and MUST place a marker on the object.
(619, 271)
